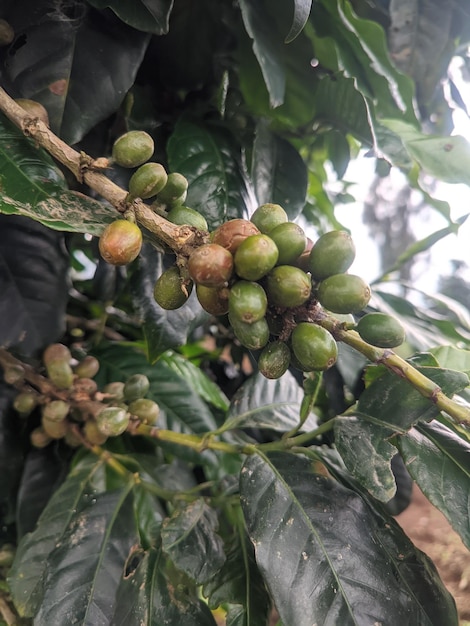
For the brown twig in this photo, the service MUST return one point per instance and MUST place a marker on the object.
(178, 238)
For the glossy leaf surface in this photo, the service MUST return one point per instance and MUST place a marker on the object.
(211, 161)
(190, 539)
(431, 450)
(328, 558)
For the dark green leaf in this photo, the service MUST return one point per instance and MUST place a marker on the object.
(367, 455)
(30, 566)
(190, 539)
(240, 585)
(210, 159)
(264, 403)
(431, 451)
(148, 513)
(279, 173)
(162, 329)
(31, 185)
(419, 37)
(328, 558)
(43, 472)
(197, 379)
(151, 16)
(77, 63)
(395, 402)
(147, 596)
(182, 410)
(11, 456)
(84, 569)
(261, 28)
(301, 13)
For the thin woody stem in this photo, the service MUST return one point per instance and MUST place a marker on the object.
(398, 366)
(81, 166)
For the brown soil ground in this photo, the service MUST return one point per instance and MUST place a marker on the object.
(431, 533)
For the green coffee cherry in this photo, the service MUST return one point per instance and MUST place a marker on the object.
(136, 387)
(146, 410)
(133, 148)
(84, 387)
(7, 551)
(230, 234)
(381, 330)
(247, 302)
(268, 216)
(253, 336)
(255, 257)
(314, 347)
(57, 358)
(274, 359)
(112, 421)
(115, 391)
(183, 215)
(290, 240)
(210, 265)
(120, 242)
(56, 410)
(175, 190)
(13, 374)
(147, 181)
(55, 430)
(25, 402)
(88, 367)
(333, 253)
(93, 433)
(213, 300)
(287, 286)
(170, 292)
(39, 438)
(343, 293)
(35, 109)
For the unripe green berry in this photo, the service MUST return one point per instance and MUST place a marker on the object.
(287, 286)
(25, 402)
(314, 347)
(381, 330)
(133, 148)
(183, 215)
(274, 360)
(253, 336)
(136, 387)
(88, 367)
(333, 253)
(35, 109)
(13, 374)
(7, 553)
(112, 421)
(39, 438)
(170, 292)
(146, 410)
(56, 352)
(55, 430)
(247, 302)
(57, 358)
(115, 391)
(174, 192)
(268, 216)
(72, 440)
(210, 265)
(255, 257)
(147, 181)
(343, 293)
(56, 410)
(290, 240)
(213, 300)
(120, 242)
(93, 433)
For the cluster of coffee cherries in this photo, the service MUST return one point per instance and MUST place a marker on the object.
(71, 405)
(272, 282)
(121, 240)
